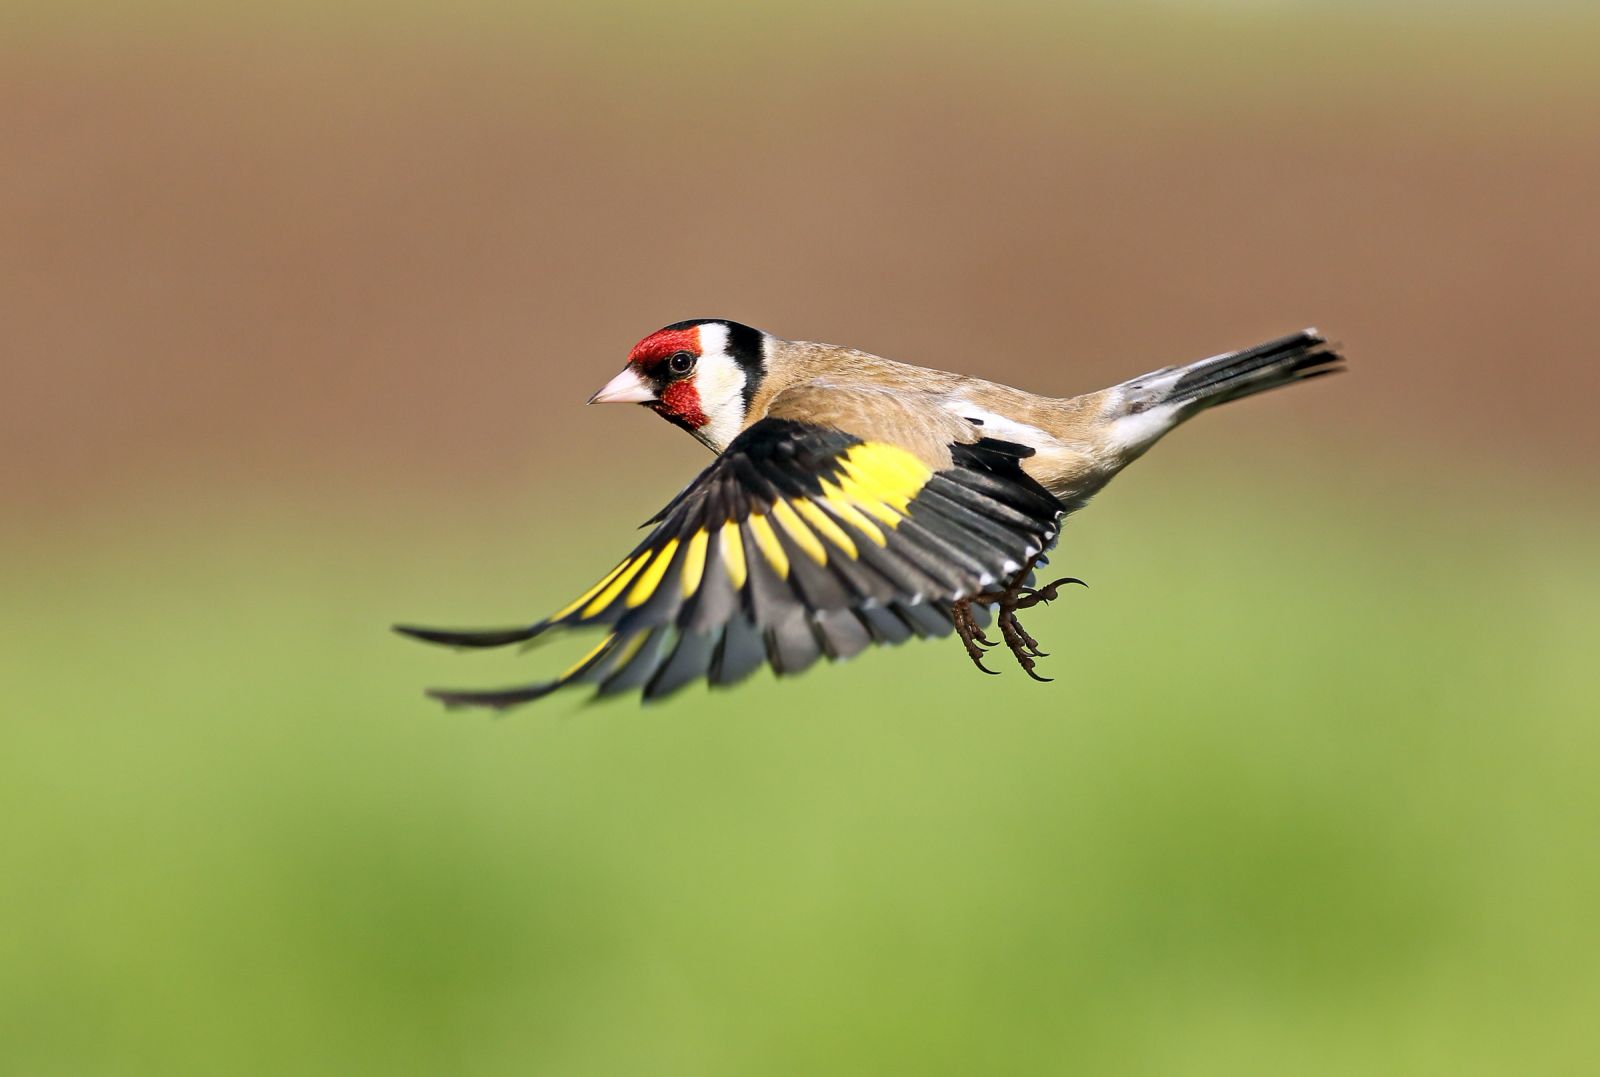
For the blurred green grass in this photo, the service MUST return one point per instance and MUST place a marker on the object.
(1313, 793)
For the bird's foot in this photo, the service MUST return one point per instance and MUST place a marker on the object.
(1029, 597)
(1015, 597)
(972, 637)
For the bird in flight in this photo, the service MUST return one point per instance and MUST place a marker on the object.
(854, 501)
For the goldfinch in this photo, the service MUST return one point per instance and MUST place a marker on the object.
(853, 501)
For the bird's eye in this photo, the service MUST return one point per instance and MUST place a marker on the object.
(681, 362)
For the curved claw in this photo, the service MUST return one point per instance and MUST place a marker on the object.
(978, 661)
(1035, 676)
(976, 635)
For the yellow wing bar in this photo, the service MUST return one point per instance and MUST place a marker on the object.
(870, 487)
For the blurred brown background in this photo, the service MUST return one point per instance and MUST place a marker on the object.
(402, 250)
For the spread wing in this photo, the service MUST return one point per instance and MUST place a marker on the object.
(801, 541)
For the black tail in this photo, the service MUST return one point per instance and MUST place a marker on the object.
(1244, 373)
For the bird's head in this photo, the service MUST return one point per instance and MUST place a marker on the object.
(700, 375)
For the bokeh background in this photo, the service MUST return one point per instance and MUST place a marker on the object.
(299, 304)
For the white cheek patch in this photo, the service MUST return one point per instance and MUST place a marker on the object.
(713, 339)
(720, 382)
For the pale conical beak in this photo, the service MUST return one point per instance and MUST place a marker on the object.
(625, 388)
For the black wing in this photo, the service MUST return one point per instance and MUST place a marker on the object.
(799, 542)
